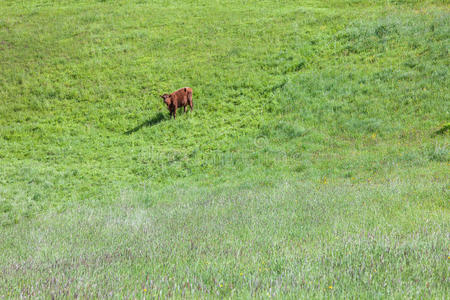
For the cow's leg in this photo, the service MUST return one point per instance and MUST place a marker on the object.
(185, 108)
(174, 113)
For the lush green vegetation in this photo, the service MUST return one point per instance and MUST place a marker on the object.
(315, 163)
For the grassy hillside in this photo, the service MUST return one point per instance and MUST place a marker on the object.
(315, 163)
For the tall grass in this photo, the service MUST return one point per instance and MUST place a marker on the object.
(299, 239)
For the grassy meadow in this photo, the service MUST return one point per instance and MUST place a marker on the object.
(315, 163)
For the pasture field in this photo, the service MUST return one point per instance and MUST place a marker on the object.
(315, 163)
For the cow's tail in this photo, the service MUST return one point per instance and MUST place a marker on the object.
(189, 96)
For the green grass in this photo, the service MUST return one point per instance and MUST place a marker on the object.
(317, 154)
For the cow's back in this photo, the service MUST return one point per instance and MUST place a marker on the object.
(181, 95)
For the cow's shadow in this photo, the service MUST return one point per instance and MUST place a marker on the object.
(150, 122)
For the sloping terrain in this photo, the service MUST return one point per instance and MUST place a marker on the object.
(315, 162)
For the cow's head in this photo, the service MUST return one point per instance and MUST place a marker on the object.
(166, 99)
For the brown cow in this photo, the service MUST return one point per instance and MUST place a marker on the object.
(182, 97)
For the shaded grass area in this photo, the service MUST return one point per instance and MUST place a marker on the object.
(150, 122)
